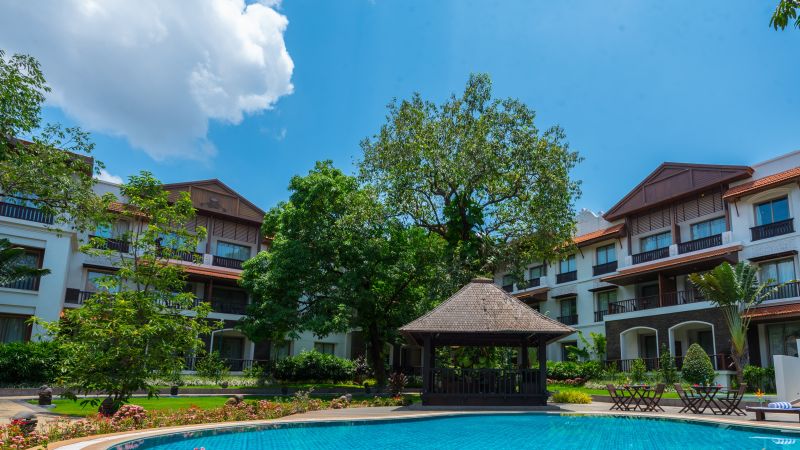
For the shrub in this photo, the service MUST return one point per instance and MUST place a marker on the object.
(212, 367)
(29, 362)
(397, 382)
(638, 371)
(563, 370)
(591, 370)
(697, 368)
(314, 367)
(361, 369)
(762, 378)
(572, 397)
(669, 373)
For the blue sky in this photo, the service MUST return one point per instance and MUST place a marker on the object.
(633, 83)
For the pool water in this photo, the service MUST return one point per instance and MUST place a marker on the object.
(512, 431)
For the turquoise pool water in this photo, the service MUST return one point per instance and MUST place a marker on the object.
(501, 431)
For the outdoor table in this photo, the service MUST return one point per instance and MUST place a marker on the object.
(706, 396)
(638, 397)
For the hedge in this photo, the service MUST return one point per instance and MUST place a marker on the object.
(314, 367)
(569, 370)
(29, 363)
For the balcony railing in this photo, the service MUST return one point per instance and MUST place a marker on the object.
(655, 301)
(508, 287)
(228, 307)
(604, 268)
(569, 320)
(76, 296)
(567, 276)
(598, 315)
(188, 256)
(720, 361)
(652, 255)
(117, 245)
(700, 244)
(772, 229)
(230, 263)
(476, 383)
(532, 283)
(25, 284)
(24, 213)
(787, 290)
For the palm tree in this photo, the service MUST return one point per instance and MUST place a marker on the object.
(735, 290)
(12, 267)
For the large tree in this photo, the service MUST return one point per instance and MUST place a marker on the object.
(136, 327)
(339, 262)
(477, 172)
(784, 13)
(735, 290)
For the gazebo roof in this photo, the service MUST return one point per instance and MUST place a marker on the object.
(483, 309)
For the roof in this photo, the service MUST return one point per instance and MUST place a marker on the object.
(765, 312)
(599, 235)
(229, 274)
(118, 207)
(482, 307)
(761, 184)
(671, 181)
(216, 197)
(626, 272)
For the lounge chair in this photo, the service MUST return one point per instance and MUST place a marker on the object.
(730, 403)
(689, 400)
(619, 400)
(761, 411)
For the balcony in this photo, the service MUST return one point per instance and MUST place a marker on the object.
(788, 290)
(700, 244)
(598, 315)
(655, 301)
(772, 229)
(566, 277)
(76, 296)
(652, 255)
(25, 213)
(226, 307)
(25, 284)
(508, 287)
(116, 245)
(600, 269)
(229, 263)
(569, 320)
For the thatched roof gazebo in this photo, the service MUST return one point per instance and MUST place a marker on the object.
(482, 314)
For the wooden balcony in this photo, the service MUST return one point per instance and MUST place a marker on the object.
(700, 244)
(720, 361)
(654, 301)
(567, 277)
(598, 315)
(25, 284)
(116, 245)
(652, 255)
(600, 269)
(788, 290)
(77, 296)
(25, 213)
(772, 229)
(229, 263)
(569, 320)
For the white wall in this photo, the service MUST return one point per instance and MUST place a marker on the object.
(787, 376)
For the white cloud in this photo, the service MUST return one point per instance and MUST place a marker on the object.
(155, 71)
(106, 176)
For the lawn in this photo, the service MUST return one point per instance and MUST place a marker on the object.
(565, 387)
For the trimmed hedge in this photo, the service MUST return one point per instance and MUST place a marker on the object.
(697, 367)
(29, 363)
(569, 370)
(314, 367)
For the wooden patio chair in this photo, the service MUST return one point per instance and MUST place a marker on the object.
(689, 400)
(620, 401)
(730, 403)
(654, 400)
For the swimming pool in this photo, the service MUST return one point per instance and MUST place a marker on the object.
(519, 431)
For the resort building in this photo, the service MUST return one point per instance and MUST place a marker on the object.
(628, 276)
(233, 235)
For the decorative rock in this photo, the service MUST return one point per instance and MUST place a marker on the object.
(45, 395)
(26, 420)
(239, 398)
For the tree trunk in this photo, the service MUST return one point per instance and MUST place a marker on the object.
(376, 355)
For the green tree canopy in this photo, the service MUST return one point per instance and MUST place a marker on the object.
(135, 328)
(479, 173)
(784, 13)
(339, 262)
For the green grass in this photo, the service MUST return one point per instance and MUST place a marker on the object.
(565, 387)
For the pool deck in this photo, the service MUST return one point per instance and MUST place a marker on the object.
(790, 423)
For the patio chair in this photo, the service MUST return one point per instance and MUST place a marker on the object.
(654, 400)
(689, 400)
(620, 401)
(730, 403)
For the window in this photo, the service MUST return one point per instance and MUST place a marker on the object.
(31, 258)
(782, 338)
(656, 241)
(95, 279)
(108, 230)
(772, 211)
(508, 283)
(233, 251)
(537, 272)
(604, 298)
(567, 264)
(778, 271)
(569, 307)
(708, 228)
(231, 347)
(282, 350)
(13, 329)
(606, 254)
(325, 347)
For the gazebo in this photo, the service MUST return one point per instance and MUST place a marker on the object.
(482, 314)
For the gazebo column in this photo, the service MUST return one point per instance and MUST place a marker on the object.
(427, 364)
(542, 353)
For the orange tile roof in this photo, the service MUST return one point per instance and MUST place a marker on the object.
(209, 272)
(761, 184)
(594, 236)
(663, 264)
(124, 208)
(765, 312)
(531, 292)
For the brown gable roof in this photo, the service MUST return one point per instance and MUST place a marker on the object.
(216, 197)
(599, 235)
(482, 307)
(671, 181)
(762, 184)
